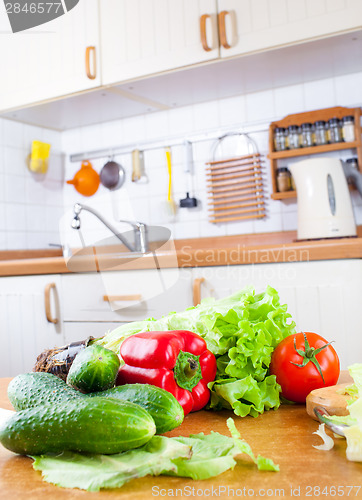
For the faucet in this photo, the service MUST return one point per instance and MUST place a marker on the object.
(139, 229)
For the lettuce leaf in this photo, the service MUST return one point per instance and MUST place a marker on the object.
(93, 472)
(245, 396)
(353, 432)
(241, 331)
(198, 456)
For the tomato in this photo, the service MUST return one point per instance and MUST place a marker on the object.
(303, 362)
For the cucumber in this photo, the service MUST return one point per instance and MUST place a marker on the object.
(93, 369)
(91, 425)
(36, 389)
(163, 407)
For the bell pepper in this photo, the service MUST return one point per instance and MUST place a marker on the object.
(177, 361)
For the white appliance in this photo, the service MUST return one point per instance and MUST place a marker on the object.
(324, 203)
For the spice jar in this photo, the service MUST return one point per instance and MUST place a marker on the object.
(293, 137)
(320, 133)
(335, 131)
(348, 129)
(279, 139)
(307, 135)
(283, 179)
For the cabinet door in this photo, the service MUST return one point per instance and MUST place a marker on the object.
(253, 25)
(24, 329)
(143, 37)
(49, 61)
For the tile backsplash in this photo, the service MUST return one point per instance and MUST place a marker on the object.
(30, 204)
(31, 207)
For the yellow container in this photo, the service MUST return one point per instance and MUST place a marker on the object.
(38, 160)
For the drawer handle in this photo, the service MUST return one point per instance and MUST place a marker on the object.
(222, 29)
(48, 312)
(196, 290)
(125, 298)
(88, 51)
(204, 43)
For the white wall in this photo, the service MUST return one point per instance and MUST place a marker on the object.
(147, 202)
(30, 204)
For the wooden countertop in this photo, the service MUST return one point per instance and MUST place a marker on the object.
(285, 435)
(199, 252)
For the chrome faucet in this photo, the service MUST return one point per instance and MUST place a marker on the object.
(139, 229)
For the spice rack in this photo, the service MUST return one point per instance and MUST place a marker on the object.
(312, 116)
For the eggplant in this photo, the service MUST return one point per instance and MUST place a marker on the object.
(59, 359)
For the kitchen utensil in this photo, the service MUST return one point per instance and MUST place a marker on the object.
(324, 202)
(188, 202)
(138, 166)
(112, 175)
(171, 205)
(322, 415)
(86, 180)
(38, 159)
(236, 184)
(330, 398)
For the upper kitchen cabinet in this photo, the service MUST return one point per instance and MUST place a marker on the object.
(247, 26)
(145, 37)
(55, 59)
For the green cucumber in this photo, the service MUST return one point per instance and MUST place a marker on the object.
(36, 389)
(90, 425)
(93, 369)
(163, 407)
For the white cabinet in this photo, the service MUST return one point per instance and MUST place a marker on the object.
(322, 296)
(145, 37)
(50, 60)
(24, 329)
(151, 36)
(254, 25)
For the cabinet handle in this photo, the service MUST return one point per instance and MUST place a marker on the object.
(48, 312)
(113, 298)
(222, 29)
(196, 290)
(88, 51)
(205, 45)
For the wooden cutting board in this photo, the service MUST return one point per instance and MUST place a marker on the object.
(330, 399)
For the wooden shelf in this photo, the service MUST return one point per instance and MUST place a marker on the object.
(290, 153)
(311, 117)
(285, 195)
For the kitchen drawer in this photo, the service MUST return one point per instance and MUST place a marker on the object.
(80, 330)
(132, 295)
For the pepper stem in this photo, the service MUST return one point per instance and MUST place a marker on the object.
(187, 370)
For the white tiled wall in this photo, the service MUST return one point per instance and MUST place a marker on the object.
(30, 204)
(147, 202)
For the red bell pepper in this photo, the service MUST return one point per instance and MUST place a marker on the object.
(177, 361)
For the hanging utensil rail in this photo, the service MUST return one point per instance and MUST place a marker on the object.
(211, 134)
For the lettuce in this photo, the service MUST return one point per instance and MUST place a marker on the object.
(241, 331)
(93, 472)
(354, 432)
(198, 456)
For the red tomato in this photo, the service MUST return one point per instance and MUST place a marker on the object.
(298, 381)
